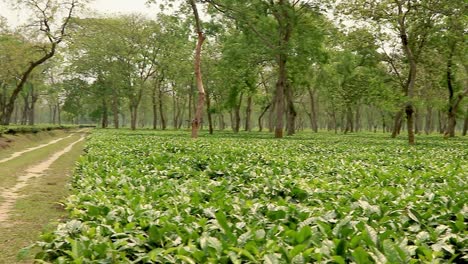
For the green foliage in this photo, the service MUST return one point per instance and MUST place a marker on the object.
(160, 197)
(32, 129)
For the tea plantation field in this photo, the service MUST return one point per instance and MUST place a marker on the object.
(160, 197)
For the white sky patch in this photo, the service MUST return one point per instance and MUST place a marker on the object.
(95, 7)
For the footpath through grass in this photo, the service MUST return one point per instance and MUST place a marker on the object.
(38, 208)
(161, 197)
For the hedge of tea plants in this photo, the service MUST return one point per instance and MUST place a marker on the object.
(160, 197)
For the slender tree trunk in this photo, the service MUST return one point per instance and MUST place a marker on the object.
(53, 112)
(174, 109)
(260, 121)
(59, 112)
(105, 119)
(25, 114)
(32, 108)
(198, 74)
(209, 115)
(271, 117)
(222, 123)
(190, 100)
(115, 110)
(428, 123)
(349, 120)
(154, 100)
(133, 116)
(248, 114)
(417, 124)
(335, 121)
(237, 118)
(384, 123)
(161, 109)
(409, 87)
(291, 113)
(442, 122)
(313, 112)
(397, 124)
(465, 125)
(454, 101)
(357, 124)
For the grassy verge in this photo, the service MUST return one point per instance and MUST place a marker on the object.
(39, 209)
(10, 144)
(13, 168)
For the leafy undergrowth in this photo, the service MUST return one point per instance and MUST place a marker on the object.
(15, 129)
(154, 197)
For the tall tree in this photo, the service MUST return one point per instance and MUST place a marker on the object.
(198, 73)
(46, 13)
(411, 22)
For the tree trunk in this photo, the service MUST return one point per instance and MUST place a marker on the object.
(105, 119)
(190, 99)
(260, 121)
(417, 123)
(133, 117)
(209, 115)
(465, 125)
(357, 124)
(115, 110)
(349, 120)
(428, 123)
(397, 124)
(222, 123)
(154, 100)
(198, 74)
(237, 118)
(59, 119)
(25, 114)
(248, 114)
(271, 117)
(454, 101)
(410, 83)
(161, 109)
(291, 113)
(32, 108)
(442, 123)
(384, 124)
(280, 87)
(5, 116)
(313, 111)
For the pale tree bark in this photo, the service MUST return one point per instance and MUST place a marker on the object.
(198, 74)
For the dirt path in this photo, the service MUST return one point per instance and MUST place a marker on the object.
(19, 153)
(10, 195)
